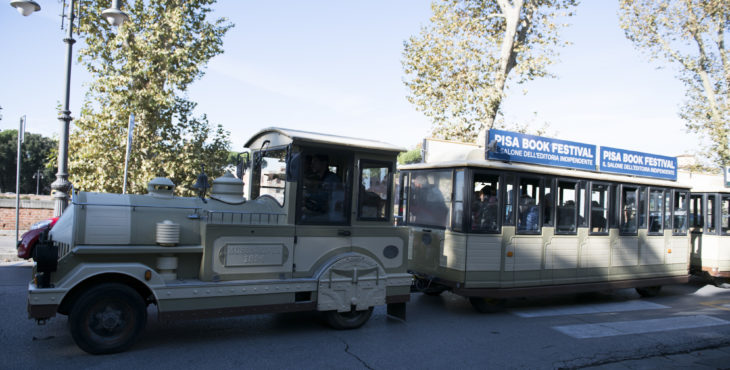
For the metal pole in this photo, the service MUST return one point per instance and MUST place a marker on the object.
(21, 131)
(61, 186)
(130, 129)
(37, 180)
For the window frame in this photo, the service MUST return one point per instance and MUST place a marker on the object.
(723, 197)
(449, 203)
(348, 170)
(575, 189)
(675, 193)
(500, 202)
(538, 203)
(606, 207)
(661, 198)
(255, 187)
(624, 189)
(363, 163)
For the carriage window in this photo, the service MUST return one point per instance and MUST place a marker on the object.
(725, 225)
(528, 211)
(324, 197)
(374, 190)
(457, 224)
(429, 198)
(485, 207)
(696, 216)
(680, 212)
(656, 200)
(642, 207)
(599, 208)
(614, 214)
(711, 214)
(509, 200)
(628, 211)
(566, 207)
(269, 174)
(667, 209)
(402, 196)
(548, 203)
(582, 219)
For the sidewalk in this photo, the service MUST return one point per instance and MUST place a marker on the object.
(8, 253)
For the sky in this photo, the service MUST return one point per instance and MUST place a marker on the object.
(335, 67)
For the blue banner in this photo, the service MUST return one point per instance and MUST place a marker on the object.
(516, 147)
(628, 162)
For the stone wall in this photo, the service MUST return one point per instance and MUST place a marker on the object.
(31, 211)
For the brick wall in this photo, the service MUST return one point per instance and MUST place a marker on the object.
(31, 211)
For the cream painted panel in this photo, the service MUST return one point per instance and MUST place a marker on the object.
(711, 247)
(680, 250)
(454, 251)
(485, 252)
(625, 251)
(526, 254)
(376, 245)
(596, 252)
(311, 249)
(652, 252)
(562, 253)
(107, 224)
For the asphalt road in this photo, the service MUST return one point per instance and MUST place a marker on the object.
(686, 326)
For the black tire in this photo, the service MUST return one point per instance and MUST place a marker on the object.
(107, 318)
(348, 320)
(486, 305)
(650, 291)
(428, 287)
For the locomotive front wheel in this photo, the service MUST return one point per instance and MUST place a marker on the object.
(107, 318)
(650, 291)
(486, 305)
(348, 320)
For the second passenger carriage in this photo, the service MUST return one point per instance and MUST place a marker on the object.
(489, 229)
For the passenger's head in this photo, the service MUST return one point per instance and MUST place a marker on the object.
(320, 162)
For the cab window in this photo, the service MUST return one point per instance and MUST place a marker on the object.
(711, 214)
(374, 191)
(324, 195)
(269, 174)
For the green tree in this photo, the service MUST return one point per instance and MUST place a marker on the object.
(145, 67)
(691, 35)
(458, 68)
(38, 152)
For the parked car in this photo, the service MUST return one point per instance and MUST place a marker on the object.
(29, 239)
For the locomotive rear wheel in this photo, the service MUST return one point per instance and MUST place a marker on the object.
(348, 320)
(486, 305)
(107, 318)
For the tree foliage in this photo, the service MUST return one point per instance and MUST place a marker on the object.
(690, 34)
(458, 67)
(38, 155)
(145, 67)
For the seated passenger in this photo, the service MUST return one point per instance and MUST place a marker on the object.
(484, 210)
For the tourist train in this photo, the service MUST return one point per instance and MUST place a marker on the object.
(328, 223)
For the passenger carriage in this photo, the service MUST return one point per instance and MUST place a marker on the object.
(493, 229)
(314, 232)
(709, 220)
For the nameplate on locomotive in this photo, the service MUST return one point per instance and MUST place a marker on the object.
(253, 254)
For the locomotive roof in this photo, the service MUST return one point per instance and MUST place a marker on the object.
(282, 136)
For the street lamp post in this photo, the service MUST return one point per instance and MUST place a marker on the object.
(61, 186)
(38, 175)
